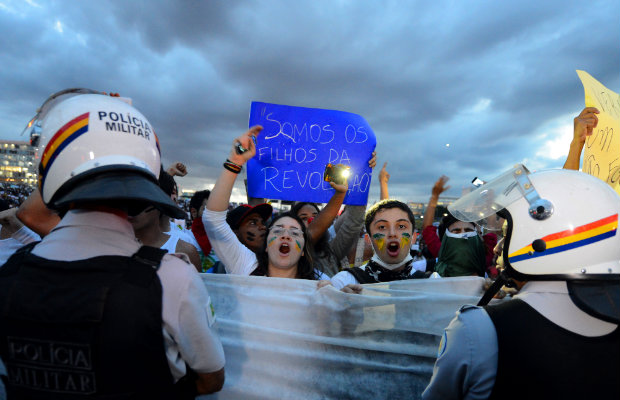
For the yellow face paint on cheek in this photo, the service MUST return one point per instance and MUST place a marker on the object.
(405, 240)
(297, 245)
(379, 238)
(270, 242)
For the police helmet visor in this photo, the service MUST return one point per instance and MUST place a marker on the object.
(491, 197)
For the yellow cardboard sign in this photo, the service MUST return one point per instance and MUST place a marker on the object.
(601, 157)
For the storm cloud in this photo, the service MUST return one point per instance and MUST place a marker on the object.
(494, 80)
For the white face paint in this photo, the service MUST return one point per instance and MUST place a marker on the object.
(464, 235)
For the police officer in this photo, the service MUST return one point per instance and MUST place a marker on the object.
(88, 312)
(559, 337)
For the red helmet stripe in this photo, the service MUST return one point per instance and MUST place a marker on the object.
(65, 135)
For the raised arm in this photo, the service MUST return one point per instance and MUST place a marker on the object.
(326, 217)
(438, 188)
(177, 169)
(322, 222)
(384, 178)
(220, 194)
(429, 232)
(349, 230)
(583, 125)
(237, 258)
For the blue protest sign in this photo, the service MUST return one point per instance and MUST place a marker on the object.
(295, 146)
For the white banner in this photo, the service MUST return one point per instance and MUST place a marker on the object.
(284, 339)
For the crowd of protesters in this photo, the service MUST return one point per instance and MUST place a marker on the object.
(14, 194)
(338, 239)
(343, 248)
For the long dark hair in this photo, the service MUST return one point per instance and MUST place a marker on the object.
(321, 247)
(305, 266)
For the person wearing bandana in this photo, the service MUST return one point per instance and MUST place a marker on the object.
(462, 250)
(460, 253)
(390, 224)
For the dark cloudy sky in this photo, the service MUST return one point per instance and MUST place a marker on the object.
(494, 79)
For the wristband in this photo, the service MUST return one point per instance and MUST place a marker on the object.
(232, 167)
(234, 164)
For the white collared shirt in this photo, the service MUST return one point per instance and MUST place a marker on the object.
(466, 364)
(188, 335)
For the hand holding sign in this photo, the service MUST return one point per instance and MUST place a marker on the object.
(584, 123)
(373, 161)
(297, 145)
(602, 141)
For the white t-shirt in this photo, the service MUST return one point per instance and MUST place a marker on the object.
(171, 244)
(183, 234)
(189, 334)
(237, 258)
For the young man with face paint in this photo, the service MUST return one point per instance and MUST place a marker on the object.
(390, 224)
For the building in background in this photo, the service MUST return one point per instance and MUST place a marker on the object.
(17, 164)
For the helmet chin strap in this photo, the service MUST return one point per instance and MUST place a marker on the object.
(501, 280)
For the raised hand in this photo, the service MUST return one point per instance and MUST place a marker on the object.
(340, 188)
(243, 147)
(584, 123)
(384, 176)
(177, 169)
(440, 186)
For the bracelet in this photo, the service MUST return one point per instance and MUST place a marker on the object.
(234, 164)
(232, 167)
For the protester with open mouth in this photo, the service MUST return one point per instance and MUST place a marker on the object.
(285, 251)
(390, 224)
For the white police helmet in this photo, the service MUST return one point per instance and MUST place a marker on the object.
(94, 147)
(562, 225)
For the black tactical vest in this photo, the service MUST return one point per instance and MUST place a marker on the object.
(537, 359)
(84, 329)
